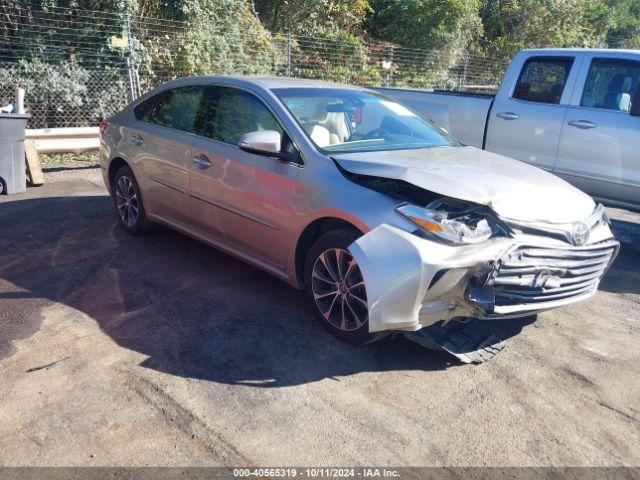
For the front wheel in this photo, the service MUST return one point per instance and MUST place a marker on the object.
(335, 288)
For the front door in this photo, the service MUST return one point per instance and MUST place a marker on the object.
(600, 144)
(526, 123)
(242, 197)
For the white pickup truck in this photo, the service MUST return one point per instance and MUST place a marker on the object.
(574, 112)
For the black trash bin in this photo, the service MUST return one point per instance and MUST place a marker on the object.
(13, 177)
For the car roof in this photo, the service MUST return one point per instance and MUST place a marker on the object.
(267, 83)
(581, 50)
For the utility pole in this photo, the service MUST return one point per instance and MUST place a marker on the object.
(288, 71)
(388, 66)
(134, 79)
(464, 73)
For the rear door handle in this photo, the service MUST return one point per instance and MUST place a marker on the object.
(201, 161)
(137, 140)
(508, 115)
(582, 124)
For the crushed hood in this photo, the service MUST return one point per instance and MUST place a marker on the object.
(513, 189)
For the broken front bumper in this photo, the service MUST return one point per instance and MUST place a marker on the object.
(413, 282)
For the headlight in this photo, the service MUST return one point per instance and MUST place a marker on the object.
(452, 221)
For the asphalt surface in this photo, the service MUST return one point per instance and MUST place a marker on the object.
(162, 351)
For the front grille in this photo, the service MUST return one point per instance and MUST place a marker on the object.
(536, 275)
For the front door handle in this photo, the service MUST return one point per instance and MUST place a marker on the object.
(508, 115)
(582, 124)
(137, 140)
(202, 161)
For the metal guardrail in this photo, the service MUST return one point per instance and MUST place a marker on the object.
(62, 140)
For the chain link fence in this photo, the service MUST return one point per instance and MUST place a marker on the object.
(80, 66)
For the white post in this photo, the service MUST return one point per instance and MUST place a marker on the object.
(288, 71)
(389, 62)
(134, 82)
(19, 100)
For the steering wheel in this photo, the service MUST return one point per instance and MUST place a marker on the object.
(376, 133)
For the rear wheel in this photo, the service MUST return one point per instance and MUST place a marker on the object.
(335, 288)
(128, 201)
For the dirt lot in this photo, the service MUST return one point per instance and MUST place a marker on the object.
(161, 351)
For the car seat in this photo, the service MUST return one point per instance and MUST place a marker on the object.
(319, 134)
(336, 124)
(617, 96)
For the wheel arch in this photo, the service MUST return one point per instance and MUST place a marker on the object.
(311, 233)
(114, 165)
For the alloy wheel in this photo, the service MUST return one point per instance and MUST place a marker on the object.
(338, 289)
(127, 201)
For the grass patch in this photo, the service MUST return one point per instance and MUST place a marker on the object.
(52, 159)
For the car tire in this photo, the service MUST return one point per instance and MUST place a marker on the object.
(335, 288)
(128, 202)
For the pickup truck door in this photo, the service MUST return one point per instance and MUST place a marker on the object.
(600, 143)
(526, 118)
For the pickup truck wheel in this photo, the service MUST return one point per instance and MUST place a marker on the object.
(335, 288)
(128, 201)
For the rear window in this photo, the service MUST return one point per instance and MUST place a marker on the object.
(175, 108)
(543, 79)
(142, 110)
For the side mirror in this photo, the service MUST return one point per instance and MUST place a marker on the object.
(267, 142)
(635, 105)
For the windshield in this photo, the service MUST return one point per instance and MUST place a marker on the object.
(348, 120)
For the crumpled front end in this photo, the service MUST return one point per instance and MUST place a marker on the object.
(413, 282)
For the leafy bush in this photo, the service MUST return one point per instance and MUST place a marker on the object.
(65, 94)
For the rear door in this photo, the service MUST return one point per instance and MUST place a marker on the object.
(160, 140)
(526, 120)
(241, 197)
(600, 145)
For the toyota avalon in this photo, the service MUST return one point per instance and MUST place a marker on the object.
(386, 221)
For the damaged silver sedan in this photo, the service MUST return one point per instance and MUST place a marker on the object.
(387, 222)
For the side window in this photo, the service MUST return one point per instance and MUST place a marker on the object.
(611, 84)
(230, 113)
(177, 108)
(542, 79)
(143, 109)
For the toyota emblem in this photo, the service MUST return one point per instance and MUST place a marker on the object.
(580, 233)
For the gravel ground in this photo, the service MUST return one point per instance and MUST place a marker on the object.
(161, 351)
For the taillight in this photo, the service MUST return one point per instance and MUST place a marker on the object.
(103, 127)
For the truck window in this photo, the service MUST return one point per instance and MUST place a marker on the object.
(611, 84)
(542, 79)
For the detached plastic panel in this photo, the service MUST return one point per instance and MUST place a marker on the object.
(12, 165)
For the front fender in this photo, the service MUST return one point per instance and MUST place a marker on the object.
(398, 268)
(391, 267)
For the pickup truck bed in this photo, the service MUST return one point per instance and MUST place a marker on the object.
(464, 115)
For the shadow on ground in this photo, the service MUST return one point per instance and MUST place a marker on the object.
(194, 311)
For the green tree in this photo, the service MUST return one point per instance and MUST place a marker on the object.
(510, 25)
(425, 24)
(310, 17)
(623, 23)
